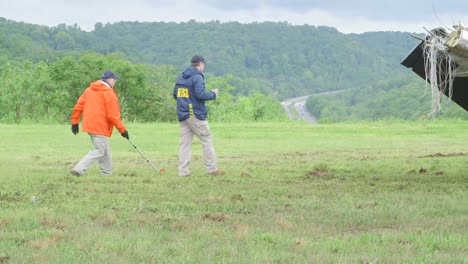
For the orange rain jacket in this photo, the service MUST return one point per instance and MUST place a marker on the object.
(100, 108)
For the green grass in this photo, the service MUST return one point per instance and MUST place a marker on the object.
(384, 192)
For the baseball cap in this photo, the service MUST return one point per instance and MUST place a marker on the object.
(109, 75)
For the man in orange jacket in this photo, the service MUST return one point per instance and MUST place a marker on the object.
(100, 109)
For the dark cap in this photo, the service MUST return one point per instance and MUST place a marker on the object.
(109, 75)
(197, 59)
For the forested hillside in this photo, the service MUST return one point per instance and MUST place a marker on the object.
(257, 62)
(290, 60)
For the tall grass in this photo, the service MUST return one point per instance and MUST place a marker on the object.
(381, 192)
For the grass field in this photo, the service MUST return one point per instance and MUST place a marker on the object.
(384, 192)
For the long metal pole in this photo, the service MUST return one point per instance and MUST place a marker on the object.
(160, 171)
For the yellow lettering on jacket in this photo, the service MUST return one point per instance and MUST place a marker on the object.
(183, 92)
(191, 109)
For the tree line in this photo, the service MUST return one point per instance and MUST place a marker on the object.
(258, 63)
(46, 92)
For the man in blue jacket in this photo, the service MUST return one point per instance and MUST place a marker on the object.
(190, 93)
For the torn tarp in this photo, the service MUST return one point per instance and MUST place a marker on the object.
(442, 60)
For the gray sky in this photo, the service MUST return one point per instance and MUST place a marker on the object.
(348, 16)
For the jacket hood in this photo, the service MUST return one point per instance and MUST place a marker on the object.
(99, 86)
(190, 71)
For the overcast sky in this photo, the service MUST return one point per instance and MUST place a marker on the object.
(348, 16)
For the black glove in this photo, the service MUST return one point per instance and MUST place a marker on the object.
(75, 128)
(125, 134)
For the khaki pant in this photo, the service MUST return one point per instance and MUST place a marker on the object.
(101, 153)
(188, 128)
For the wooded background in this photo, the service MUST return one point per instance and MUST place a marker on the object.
(43, 70)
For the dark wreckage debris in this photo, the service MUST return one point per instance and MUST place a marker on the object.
(442, 60)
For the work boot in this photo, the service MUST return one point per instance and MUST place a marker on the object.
(75, 173)
(217, 172)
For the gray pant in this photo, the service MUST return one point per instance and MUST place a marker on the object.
(101, 153)
(188, 128)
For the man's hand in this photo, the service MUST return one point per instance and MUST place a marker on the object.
(216, 91)
(75, 128)
(125, 134)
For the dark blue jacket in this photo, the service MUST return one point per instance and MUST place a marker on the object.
(190, 93)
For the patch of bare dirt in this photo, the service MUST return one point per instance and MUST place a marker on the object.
(4, 259)
(317, 173)
(53, 223)
(440, 155)
(216, 217)
(424, 171)
(237, 198)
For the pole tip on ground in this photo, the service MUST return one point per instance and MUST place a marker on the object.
(162, 171)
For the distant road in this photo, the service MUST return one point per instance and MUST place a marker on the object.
(300, 110)
(298, 105)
